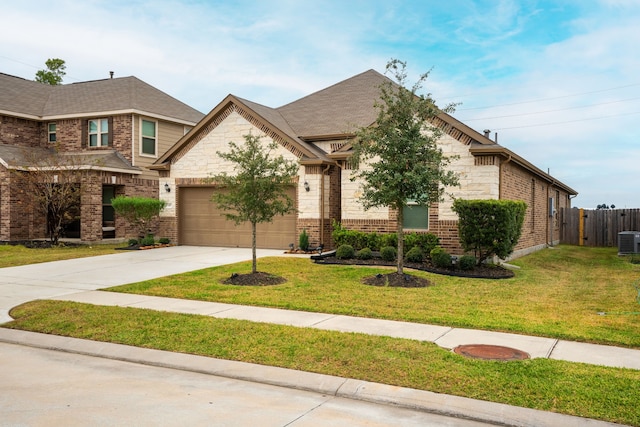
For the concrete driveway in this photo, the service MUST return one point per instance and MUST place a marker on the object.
(53, 279)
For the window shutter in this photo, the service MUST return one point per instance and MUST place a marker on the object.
(110, 137)
(84, 129)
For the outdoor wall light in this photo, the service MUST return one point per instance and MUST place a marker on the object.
(167, 188)
(306, 186)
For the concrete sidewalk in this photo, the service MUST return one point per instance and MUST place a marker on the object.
(444, 336)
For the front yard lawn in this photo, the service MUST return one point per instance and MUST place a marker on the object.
(14, 255)
(557, 293)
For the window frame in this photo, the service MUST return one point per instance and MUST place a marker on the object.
(100, 133)
(411, 203)
(53, 133)
(142, 138)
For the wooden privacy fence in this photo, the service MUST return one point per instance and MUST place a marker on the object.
(596, 227)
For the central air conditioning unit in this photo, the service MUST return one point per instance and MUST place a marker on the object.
(629, 242)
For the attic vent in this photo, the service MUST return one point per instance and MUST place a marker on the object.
(335, 146)
(485, 161)
(629, 242)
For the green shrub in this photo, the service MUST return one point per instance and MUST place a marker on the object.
(415, 254)
(489, 227)
(303, 241)
(342, 236)
(364, 253)
(148, 240)
(132, 242)
(388, 253)
(345, 252)
(164, 240)
(373, 241)
(425, 241)
(467, 262)
(440, 258)
(138, 211)
(388, 239)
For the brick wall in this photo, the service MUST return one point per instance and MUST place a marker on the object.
(69, 134)
(21, 132)
(18, 218)
(539, 228)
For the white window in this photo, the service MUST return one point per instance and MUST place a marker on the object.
(98, 133)
(148, 138)
(415, 217)
(52, 132)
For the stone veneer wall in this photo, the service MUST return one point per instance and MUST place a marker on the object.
(477, 181)
(194, 166)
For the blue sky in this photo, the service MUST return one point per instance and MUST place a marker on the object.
(557, 80)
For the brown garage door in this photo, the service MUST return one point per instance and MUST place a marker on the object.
(201, 223)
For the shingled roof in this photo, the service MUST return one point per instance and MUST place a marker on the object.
(26, 158)
(328, 114)
(337, 110)
(39, 101)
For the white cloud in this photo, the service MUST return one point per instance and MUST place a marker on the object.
(483, 53)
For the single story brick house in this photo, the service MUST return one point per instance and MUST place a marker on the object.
(316, 131)
(112, 129)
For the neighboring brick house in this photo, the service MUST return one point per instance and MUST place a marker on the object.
(116, 126)
(316, 132)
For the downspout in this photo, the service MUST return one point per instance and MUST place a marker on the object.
(322, 196)
(550, 213)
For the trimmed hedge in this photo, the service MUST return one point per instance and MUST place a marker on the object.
(364, 253)
(467, 262)
(415, 254)
(374, 241)
(389, 253)
(345, 252)
(441, 258)
(489, 227)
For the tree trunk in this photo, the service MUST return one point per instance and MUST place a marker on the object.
(400, 234)
(254, 266)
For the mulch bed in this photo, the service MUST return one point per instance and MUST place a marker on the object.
(254, 279)
(140, 248)
(396, 280)
(38, 244)
(478, 272)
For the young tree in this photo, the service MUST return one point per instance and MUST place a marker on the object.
(399, 153)
(257, 192)
(53, 74)
(139, 211)
(53, 181)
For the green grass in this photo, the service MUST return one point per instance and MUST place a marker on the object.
(577, 389)
(557, 293)
(11, 256)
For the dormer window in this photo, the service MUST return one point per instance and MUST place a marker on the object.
(51, 128)
(99, 133)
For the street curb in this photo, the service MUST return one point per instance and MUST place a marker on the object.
(436, 403)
